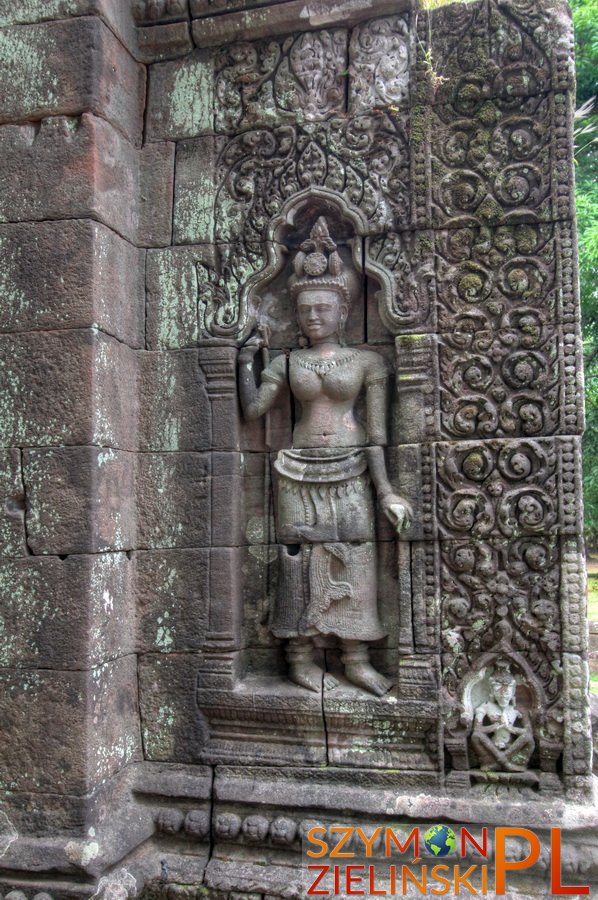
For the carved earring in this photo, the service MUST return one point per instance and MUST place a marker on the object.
(341, 330)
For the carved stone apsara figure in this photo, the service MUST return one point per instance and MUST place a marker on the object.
(325, 519)
(502, 734)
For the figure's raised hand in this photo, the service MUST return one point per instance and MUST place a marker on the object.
(397, 511)
(257, 340)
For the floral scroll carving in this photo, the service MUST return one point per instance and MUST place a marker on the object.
(301, 77)
(379, 54)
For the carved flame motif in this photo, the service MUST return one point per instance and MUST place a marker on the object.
(379, 64)
(300, 78)
(309, 78)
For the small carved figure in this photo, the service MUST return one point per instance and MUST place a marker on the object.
(502, 734)
(325, 505)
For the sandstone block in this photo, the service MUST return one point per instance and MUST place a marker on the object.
(151, 12)
(181, 98)
(195, 190)
(160, 42)
(172, 291)
(67, 387)
(67, 168)
(113, 12)
(173, 500)
(13, 538)
(71, 274)
(95, 709)
(514, 165)
(155, 196)
(173, 405)
(67, 68)
(172, 589)
(79, 500)
(86, 599)
(173, 730)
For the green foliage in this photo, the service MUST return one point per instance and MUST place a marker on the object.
(585, 20)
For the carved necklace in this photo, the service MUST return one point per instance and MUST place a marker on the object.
(325, 366)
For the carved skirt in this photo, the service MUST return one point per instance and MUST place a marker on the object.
(327, 553)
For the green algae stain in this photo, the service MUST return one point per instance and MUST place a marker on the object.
(31, 11)
(25, 60)
(191, 100)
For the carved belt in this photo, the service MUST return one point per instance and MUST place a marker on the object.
(321, 465)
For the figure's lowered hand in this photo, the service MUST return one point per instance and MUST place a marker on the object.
(397, 511)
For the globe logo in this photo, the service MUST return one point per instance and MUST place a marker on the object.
(440, 840)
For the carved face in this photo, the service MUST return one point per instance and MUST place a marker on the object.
(504, 692)
(321, 314)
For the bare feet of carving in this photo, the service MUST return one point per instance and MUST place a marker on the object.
(303, 670)
(365, 676)
(359, 670)
(306, 674)
(330, 681)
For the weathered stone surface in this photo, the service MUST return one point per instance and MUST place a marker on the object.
(173, 500)
(379, 70)
(71, 274)
(173, 405)
(171, 726)
(172, 294)
(152, 11)
(113, 12)
(155, 194)
(162, 42)
(69, 168)
(272, 82)
(65, 614)
(79, 500)
(480, 51)
(291, 16)
(526, 382)
(172, 590)
(67, 68)
(499, 166)
(487, 489)
(13, 537)
(241, 490)
(67, 387)
(195, 190)
(39, 707)
(181, 98)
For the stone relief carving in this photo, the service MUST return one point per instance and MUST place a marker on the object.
(495, 588)
(500, 725)
(500, 384)
(301, 77)
(502, 735)
(379, 53)
(365, 159)
(325, 506)
(506, 489)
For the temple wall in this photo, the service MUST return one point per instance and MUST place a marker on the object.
(162, 162)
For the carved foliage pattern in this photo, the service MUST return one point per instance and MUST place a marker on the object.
(496, 589)
(379, 72)
(507, 489)
(501, 384)
(301, 77)
(365, 159)
(496, 165)
(503, 48)
(220, 288)
(408, 257)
